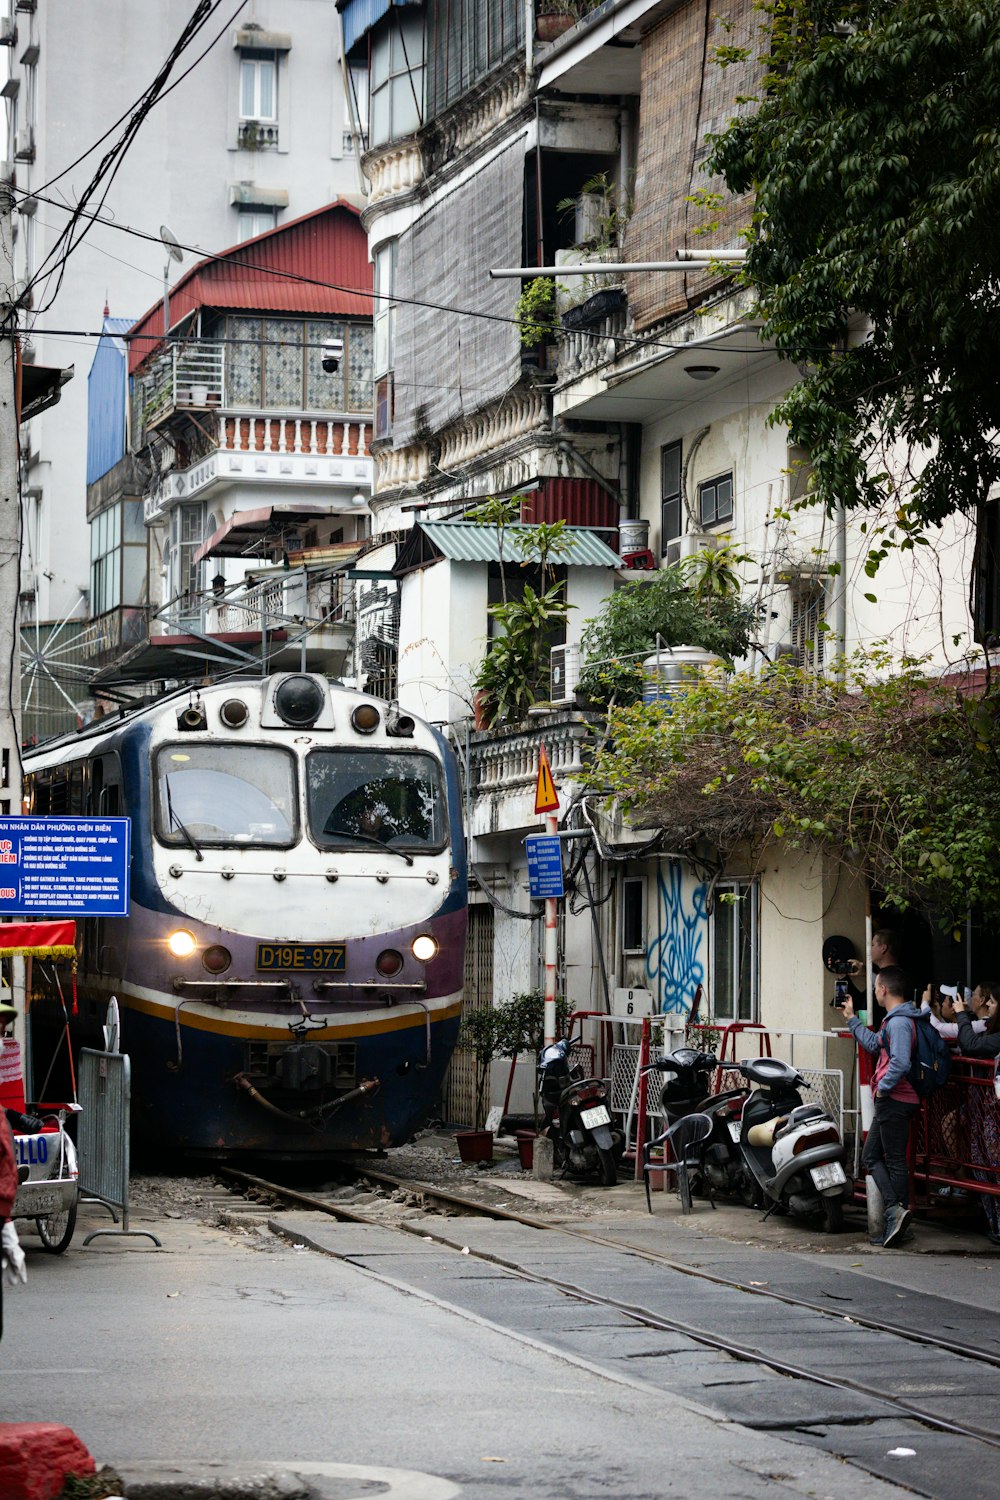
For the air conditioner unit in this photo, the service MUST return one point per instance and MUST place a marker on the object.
(8, 31)
(24, 144)
(564, 673)
(688, 545)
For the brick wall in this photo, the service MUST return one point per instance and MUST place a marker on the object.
(685, 97)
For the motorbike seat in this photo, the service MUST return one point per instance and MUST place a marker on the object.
(764, 1133)
(801, 1115)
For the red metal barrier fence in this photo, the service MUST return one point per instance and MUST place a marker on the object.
(956, 1140)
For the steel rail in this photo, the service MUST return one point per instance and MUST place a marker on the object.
(745, 1353)
(983, 1356)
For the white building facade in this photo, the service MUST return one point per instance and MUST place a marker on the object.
(257, 133)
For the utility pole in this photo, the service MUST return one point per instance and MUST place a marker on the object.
(10, 544)
(10, 528)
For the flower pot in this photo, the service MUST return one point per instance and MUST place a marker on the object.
(475, 1145)
(526, 1148)
(550, 24)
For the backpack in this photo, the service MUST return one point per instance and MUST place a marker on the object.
(930, 1059)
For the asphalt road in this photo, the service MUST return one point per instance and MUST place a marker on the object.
(243, 1349)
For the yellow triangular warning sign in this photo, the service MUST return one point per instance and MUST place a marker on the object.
(546, 799)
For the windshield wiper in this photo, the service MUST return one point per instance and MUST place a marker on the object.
(175, 822)
(367, 838)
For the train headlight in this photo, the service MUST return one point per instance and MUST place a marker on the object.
(365, 718)
(181, 943)
(424, 947)
(389, 963)
(298, 701)
(216, 959)
(234, 713)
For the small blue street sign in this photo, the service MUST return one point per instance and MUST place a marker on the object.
(64, 867)
(545, 870)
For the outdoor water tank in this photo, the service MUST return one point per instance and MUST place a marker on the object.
(633, 536)
(673, 668)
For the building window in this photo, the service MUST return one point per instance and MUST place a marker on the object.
(254, 221)
(277, 364)
(715, 501)
(118, 558)
(808, 625)
(671, 519)
(356, 110)
(259, 89)
(733, 946)
(634, 914)
(187, 532)
(396, 78)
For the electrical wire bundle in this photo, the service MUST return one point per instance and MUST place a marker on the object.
(82, 215)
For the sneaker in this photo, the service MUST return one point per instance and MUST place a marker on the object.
(897, 1221)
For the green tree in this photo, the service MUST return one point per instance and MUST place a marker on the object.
(897, 777)
(689, 604)
(873, 152)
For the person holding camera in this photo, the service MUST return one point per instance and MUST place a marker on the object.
(885, 955)
(895, 1098)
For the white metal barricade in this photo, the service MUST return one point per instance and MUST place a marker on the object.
(103, 1147)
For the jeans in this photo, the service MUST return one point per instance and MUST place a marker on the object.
(884, 1156)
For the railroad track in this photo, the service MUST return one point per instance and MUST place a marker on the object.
(954, 1367)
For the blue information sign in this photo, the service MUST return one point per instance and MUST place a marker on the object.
(545, 871)
(64, 867)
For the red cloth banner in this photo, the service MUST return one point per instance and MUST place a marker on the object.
(38, 939)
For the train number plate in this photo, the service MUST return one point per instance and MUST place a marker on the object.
(329, 958)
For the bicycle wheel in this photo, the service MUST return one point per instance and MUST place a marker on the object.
(56, 1230)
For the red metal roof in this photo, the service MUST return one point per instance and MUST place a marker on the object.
(327, 248)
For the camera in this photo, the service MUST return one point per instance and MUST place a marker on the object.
(333, 354)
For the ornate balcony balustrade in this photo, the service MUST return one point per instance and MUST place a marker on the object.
(503, 767)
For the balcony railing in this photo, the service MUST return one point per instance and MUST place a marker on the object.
(105, 638)
(584, 350)
(503, 767)
(185, 377)
(279, 434)
(299, 601)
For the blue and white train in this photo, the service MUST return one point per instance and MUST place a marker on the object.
(290, 973)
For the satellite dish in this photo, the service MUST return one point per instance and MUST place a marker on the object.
(172, 243)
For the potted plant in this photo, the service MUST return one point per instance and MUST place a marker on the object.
(482, 1034)
(535, 311)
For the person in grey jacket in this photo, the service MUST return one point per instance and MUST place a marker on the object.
(896, 1100)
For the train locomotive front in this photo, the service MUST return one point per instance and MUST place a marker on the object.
(290, 972)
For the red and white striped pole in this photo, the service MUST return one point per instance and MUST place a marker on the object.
(551, 948)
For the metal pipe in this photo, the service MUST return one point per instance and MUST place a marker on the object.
(590, 268)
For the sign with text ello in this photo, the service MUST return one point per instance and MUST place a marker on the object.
(64, 867)
(545, 870)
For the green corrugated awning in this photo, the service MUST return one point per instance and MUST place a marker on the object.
(464, 541)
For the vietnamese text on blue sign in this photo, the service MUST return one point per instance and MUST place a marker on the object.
(545, 871)
(64, 867)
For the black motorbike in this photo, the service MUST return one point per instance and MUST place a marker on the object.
(714, 1161)
(576, 1116)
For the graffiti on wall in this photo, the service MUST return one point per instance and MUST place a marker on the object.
(674, 961)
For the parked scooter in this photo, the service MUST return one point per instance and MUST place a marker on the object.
(793, 1151)
(576, 1115)
(717, 1163)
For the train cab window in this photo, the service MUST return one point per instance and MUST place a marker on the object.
(216, 796)
(361, 797)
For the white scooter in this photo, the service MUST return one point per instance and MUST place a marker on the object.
(793, 1152)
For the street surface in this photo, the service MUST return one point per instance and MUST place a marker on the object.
(392, 1352)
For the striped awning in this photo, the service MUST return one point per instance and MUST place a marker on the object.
(465, 541)
(359, 16)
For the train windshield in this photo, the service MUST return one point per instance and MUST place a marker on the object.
(358, 797)
(225, 796)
